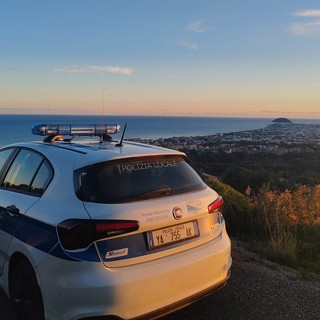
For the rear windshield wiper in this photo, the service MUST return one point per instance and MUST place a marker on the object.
(163, 191)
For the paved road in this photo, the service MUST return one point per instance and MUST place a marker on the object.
(255, 291)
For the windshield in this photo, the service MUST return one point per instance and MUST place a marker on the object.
(134, 179)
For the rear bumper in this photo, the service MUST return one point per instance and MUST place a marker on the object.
(185, 302)
(88, 290)
(173, 307)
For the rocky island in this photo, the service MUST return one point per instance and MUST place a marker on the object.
(282, 120)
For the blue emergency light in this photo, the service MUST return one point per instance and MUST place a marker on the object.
(98, 130)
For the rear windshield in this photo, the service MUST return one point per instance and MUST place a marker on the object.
(136, 179)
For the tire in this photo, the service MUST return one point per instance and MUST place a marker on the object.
(25, 292)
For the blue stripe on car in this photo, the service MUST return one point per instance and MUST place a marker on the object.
(43, 236)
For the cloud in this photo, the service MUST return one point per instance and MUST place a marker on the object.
(305, 29)
(96, 69)
(309, 27)
(188, 44)
(193, 27)
(308, 13)
(196, 27)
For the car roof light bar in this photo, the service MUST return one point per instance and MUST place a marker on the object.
(98, 130)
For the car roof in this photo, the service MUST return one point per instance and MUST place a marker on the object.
(89, 152)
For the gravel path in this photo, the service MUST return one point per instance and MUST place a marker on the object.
(255, 291)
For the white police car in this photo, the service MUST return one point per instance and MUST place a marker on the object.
(106, 229)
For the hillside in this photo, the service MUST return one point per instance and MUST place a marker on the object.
(280, 226)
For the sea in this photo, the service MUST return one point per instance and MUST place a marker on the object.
(17, 128)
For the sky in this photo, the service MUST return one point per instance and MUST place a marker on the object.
(220, 58)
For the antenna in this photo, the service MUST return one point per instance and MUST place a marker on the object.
(121, 140)
(102, 116)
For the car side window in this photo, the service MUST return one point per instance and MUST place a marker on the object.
(29, 173)
(42, 179)
(4, 157)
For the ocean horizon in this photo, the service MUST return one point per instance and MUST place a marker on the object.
(17, 127)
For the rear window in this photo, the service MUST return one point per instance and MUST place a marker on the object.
(136, 179)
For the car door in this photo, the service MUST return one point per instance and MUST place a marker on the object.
(23, 180)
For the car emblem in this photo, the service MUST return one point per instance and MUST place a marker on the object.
(177, 213)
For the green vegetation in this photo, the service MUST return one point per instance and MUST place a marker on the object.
(241, 169)
(273, 209)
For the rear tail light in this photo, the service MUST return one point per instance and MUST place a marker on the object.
(79, 234)
(216, 206)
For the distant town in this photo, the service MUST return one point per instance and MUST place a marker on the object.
(280, 137)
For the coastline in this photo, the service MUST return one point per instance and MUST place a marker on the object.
(276, 138)
(16, 128)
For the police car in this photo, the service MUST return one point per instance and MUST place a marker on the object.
(106, 229)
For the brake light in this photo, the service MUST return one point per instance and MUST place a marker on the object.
(117, 227)
(79, 234)
(216, 205)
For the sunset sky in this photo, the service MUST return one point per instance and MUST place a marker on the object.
(234, 58)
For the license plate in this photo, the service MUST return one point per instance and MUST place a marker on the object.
(166, 236)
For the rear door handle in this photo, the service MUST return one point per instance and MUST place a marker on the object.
(13, 210)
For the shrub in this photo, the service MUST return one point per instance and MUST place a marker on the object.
(283, 226)
(290, 224)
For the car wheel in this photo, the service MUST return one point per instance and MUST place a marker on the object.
(25, 292)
